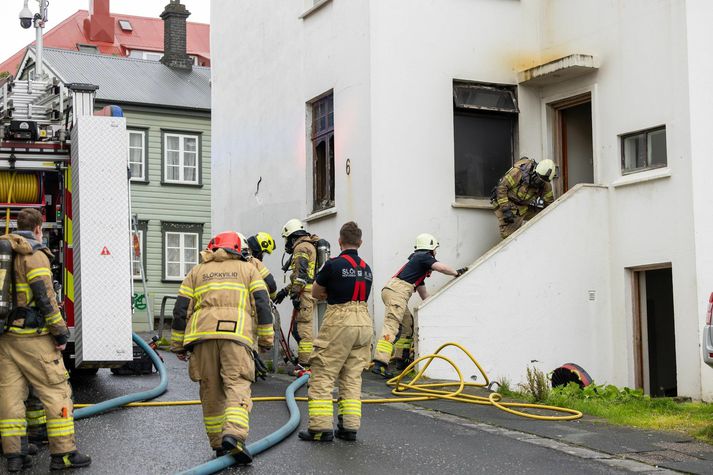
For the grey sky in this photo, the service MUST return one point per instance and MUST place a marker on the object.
(12, 37)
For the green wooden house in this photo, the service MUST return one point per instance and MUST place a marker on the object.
(167, 112)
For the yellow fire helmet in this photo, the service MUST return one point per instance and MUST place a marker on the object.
(426, 242)
(546, 169)
(265, 242)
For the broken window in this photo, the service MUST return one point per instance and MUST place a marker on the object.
(484, 124)
(323, 152)
(643, 150)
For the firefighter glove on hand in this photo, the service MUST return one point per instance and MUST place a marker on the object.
(461, 271)
(296, 303)
(280, 296)
(508, 217)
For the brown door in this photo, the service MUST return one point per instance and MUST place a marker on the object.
(574, 153)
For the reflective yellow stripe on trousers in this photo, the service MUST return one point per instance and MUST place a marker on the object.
(237, 415)
(60, 427)
(214, 424)
(13, 427)
(321, 407)
(350, 407)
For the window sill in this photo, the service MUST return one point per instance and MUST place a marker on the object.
(316, 216)
(178, 183)
(642, 177)
(143, 182)
(472, 203)
(316, 7)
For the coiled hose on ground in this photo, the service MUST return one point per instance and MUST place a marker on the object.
(405, 390)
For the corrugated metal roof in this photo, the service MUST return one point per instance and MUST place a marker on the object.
(128, 80)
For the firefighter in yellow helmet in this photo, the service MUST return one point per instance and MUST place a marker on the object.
(256, 246)
(398, 321)
(213, 329)
(343, 345)
(301, 245)
(522, 193)
(31, 354)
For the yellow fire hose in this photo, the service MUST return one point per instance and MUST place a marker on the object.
(412, 391)
(21, 187)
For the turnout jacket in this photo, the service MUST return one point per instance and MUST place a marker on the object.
(302, 266)
(265, 274)
(34, 291)
(516, 191)
(215, 302)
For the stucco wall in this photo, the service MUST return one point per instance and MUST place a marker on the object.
(509, 318)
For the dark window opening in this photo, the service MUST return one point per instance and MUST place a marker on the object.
(643, 150)
(87, 48)
(323, 152)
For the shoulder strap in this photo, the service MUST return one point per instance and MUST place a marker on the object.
(359, 294)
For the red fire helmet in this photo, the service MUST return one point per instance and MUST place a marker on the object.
(228, 240)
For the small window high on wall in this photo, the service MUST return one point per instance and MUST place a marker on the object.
(484, 126)
(643, 150)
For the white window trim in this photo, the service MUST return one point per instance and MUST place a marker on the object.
(182, 248)
(181, 158)
(143, 154)
(134, 258)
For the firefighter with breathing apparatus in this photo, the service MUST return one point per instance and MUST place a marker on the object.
(307, 251)
(31, 349)
(255, 247)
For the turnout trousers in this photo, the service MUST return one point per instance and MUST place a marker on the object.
(304, 327)
(395, 296)
(35, 361)
(225, 370)
(341, 353)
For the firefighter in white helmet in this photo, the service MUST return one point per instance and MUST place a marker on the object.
(522, 193)
(397, 332)
(302, 246)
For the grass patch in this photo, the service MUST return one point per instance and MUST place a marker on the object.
(632, 408)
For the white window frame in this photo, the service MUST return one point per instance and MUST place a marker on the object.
(134, 258)
(181, 158)
(182, 247)
(143, 154)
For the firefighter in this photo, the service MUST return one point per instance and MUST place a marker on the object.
(301, 245)
(260, 244)
(213, 329)
(522, 193)
(254, 249)
(396, 294)
(31, 353)
(343, 346)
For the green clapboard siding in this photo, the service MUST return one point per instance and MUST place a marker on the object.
(155, 202)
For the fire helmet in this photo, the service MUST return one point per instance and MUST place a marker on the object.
(427, 242)
(228, 240)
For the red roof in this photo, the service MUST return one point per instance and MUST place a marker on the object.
(146, 35)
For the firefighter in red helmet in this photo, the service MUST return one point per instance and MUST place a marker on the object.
(213, 329)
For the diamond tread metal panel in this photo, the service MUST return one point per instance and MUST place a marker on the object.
(101, 232)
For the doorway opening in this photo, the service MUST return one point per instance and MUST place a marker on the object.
(574, 153)
(654, 335)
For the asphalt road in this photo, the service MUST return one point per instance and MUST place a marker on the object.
(166, 440)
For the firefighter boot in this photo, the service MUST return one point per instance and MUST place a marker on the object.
(402, 363)
(316, 436)
(18, 462)
(69, 460)
(380, 369)
(237, 449)
(344, 434)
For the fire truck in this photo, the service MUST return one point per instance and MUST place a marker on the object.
(57, 156)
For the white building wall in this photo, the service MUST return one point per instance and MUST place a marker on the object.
(700, 36)
(269, 64)
(508, 324)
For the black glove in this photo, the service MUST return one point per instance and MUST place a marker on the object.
(260, 368)
(508, 217)
(461, 271)
(296, 303)
(280, 296)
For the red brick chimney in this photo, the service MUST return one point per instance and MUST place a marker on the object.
(100, 24)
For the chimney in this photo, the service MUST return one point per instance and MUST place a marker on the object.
(100, 24)
(174, 36)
